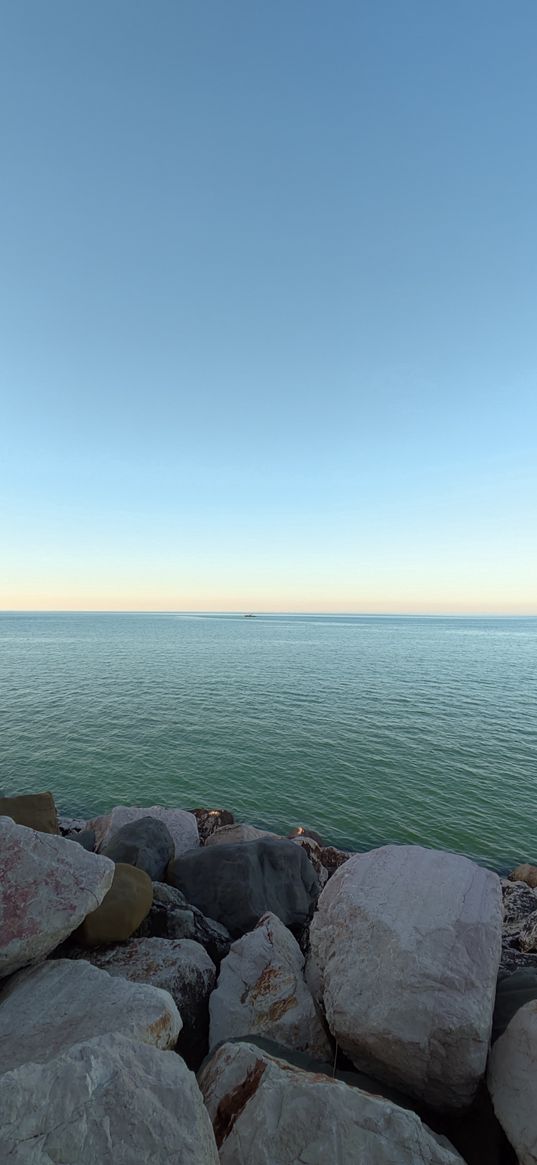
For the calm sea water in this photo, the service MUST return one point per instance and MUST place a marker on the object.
(368, 729)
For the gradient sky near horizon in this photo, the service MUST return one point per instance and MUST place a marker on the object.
(268, 305)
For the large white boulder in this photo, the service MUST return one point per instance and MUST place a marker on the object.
(261, 991)
(181, 824)
(512, 1082)
(405, 948)
(106, 1101)
(46, 1009)
(264, 1110)
(47, 887)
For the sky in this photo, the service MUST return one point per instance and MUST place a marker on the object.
(268, 305)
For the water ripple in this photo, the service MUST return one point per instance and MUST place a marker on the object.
(371, 730)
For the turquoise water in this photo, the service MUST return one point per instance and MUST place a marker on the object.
(367, 729)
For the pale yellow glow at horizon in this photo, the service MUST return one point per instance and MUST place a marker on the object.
(361, 604)
(333, 584)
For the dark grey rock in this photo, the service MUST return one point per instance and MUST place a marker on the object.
(84, 837)
(145, 843)
(172, 917)
(236, 884)
(513, 992)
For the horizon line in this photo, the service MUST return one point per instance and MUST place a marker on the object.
(261, 613)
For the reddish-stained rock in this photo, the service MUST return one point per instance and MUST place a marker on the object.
(261, 991)
(265, 1111)
(47, 887)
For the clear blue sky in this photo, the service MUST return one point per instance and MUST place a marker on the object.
(268, 305)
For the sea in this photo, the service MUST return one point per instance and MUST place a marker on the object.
(368, 729)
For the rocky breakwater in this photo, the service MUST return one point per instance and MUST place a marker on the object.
(335, 1007)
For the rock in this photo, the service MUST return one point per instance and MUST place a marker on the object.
(301, 831)
(237, 884)
(406, 945)
(105, 1101)
(266, 1111)
(70, 825)
(35, 811)
(326, 1067)
(210, 819)
(46, 1009)
(145, 843)
(182, 825)
(512, 1082)
(75, 829)
(234, 834)
(84, 837)
(519, 902)
(333, 858)
(519, 936)
(515, 960)
(171, 916)
(261, 991)
(181, 967)
(512, 993)
(527, 938)
(121, 911)
(314, 851)
(525, 873)
(47, 886)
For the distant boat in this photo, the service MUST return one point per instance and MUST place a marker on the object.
(249, 616)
